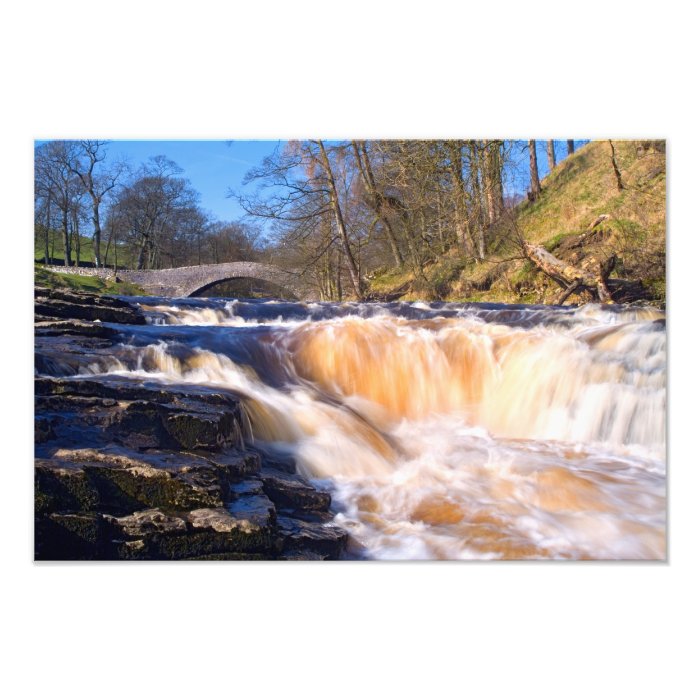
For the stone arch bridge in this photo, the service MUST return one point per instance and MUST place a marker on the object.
(187, 281)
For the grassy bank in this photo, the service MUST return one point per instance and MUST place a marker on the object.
(81, 283)
(579, 189)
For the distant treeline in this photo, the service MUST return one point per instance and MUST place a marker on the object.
(145, 217)
(335, 210)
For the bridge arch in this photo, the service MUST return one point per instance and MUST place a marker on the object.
(187, 281)
(245, 288)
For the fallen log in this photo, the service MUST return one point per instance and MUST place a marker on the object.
(595, 281)
(560, 271)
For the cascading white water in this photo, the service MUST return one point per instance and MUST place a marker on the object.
(446, 431)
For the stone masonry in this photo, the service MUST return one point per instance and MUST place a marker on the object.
(186, 281)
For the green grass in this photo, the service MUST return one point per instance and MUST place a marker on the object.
(87, 254)
(82, 283)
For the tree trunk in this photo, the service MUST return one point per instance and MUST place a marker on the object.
(441, 237)
(66, 238)
(462, 223)
(477, 203)
(107, 247)
(142, 254)
(76, 233)
(97, 231)
(569, 147)
(47, 257)
(493, 181)
(340, 223)
(115, 254)
(551, 156)
(339, 283)
(534, 175)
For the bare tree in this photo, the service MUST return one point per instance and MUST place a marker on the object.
(152, 207)
(353, 267)
(304, 190)
(96, 180)
(376, 199)
(52, 161)
(43, 199)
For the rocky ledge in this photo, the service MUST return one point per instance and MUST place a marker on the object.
(127, 470)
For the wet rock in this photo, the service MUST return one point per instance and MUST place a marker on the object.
(207, 533)
(43, 430)
(74, 328)
(247, 515)
(132, 470)
(61, 309)
(62, 487)
(116, 482)
(248, 487)
(147, 522)
(238, 463)
(81, 297)
(293, 491)
(142, 417)
(69, 536)
(88, 307)
(203, 429)
(255, 508)
(282, 463)
(308, 540)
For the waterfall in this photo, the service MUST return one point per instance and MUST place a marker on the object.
(443, 430)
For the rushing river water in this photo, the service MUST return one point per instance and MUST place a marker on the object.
(444, 431)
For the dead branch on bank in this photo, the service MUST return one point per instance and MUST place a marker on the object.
(593, 279)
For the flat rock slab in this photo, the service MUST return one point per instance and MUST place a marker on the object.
(88, 307)
(117, 482)
(147, 522)
(201, 533)
(293, 491)
(77, 328)
(302, 539)
(139, 417)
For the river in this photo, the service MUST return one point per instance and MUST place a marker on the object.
(443, 431)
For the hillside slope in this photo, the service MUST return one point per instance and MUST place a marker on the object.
(577, 191)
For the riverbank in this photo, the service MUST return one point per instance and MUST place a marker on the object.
(582, 216)
(83, 283)
(132, 470)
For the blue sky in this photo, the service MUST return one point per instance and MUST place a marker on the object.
(215, 166)
(211, 166)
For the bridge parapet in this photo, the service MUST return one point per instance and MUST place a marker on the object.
(186, 281)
